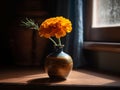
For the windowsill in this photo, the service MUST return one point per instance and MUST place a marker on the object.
(35, 77)
(102, 46)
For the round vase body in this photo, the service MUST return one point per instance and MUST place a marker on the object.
(58, 64)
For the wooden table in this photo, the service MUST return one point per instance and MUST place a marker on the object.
(29, 79)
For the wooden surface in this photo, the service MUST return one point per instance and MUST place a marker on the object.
(38, 77)
(102, 46)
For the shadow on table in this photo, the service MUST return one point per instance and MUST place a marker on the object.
(46, 80)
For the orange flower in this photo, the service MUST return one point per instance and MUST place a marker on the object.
(55, 27)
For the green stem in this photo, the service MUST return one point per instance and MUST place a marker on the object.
(53, 41)
(59, 42)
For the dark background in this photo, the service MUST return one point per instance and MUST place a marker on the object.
(18, 45)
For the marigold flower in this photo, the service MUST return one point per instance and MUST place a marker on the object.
(55, 27)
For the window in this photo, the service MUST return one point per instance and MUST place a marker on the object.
(102, 35)
(106, 13)
(102, 20)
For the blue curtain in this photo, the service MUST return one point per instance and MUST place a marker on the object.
(73, 9)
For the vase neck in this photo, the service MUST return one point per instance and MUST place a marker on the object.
(58, 48)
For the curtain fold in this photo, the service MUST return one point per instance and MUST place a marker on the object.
(73, 9)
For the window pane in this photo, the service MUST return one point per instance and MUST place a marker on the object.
(106, 13)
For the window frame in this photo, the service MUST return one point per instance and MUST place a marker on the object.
(104, 34)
